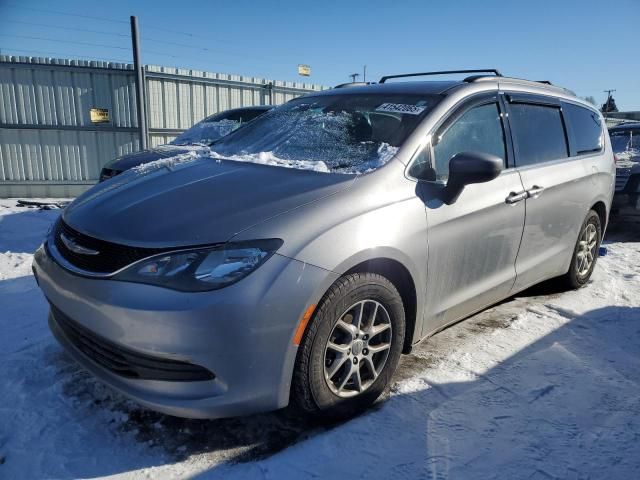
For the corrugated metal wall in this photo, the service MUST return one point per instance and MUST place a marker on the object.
(50, 147)
(178, 98)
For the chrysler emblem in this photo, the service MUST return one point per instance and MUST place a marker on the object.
(71, 244)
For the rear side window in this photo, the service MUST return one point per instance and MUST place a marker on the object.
(539, 132)
(585, 127)
(477, 130)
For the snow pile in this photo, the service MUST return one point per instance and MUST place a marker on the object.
(169, 162)
(541, 386)
(268, 158)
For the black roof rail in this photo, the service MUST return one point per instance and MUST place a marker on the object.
(546, 82)
(444, 72)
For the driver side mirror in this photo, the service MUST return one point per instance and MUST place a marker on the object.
(466, 168)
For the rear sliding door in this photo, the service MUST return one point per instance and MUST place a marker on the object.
(557, 179)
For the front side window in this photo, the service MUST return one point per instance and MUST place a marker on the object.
(340, 133)
(586, 127)
(539, 132)
(477, 130)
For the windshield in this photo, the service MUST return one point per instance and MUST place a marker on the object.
(333, 133)
(625, 143)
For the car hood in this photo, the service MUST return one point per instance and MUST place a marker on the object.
(201, 201)
(131, 160)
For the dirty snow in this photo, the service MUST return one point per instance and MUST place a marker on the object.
(542, 386)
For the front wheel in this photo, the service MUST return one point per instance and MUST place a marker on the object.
(585, 253)
(351, 347)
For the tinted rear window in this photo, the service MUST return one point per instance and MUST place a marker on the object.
(586, 127)
(539, 132)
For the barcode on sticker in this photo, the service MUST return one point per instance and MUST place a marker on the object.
(401, 108)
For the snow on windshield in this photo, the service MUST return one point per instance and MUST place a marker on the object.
(384, 153)
(170, 162)
(337, 134)
(348, 134)
(204, 133)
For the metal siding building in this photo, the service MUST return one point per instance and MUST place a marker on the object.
(50, 147)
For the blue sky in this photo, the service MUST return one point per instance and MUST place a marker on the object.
(587, 46)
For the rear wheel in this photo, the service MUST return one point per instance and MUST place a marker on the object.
(585, 253)
(351, 347)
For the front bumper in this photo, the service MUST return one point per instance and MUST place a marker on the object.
(242, 334)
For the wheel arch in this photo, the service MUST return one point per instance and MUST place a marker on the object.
(601, 209)
(402, 279)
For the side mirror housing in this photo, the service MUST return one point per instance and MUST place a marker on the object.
(466, 168)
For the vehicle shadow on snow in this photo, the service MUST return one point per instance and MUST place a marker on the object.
(23, 231)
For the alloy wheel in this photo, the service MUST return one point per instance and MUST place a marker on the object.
(357, 349)
(587, 246)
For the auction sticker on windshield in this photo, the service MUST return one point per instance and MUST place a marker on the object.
(401, 108)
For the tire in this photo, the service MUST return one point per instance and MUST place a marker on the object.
(577, 277)
(312, 392)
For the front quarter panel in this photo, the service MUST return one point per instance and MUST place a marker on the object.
(380, 216)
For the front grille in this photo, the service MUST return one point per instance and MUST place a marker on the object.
(125, 362)
(111, 257)
(622, 177)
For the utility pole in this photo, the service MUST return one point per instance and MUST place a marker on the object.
(607, 104)
(140, 97)
(354, 76)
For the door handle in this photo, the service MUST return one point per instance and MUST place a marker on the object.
(534, 192)
(515, 197)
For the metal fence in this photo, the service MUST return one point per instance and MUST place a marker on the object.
(51, 146)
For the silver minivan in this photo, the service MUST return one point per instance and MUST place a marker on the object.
(304, 253)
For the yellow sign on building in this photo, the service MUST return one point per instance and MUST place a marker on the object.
(304, 70)
(99, 115)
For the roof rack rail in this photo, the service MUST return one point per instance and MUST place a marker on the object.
(444, 72)
(546, 82)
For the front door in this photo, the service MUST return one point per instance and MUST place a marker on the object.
(472, 243)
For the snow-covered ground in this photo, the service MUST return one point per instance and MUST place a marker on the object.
(546, 385)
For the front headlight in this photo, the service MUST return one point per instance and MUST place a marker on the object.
(202, 269)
